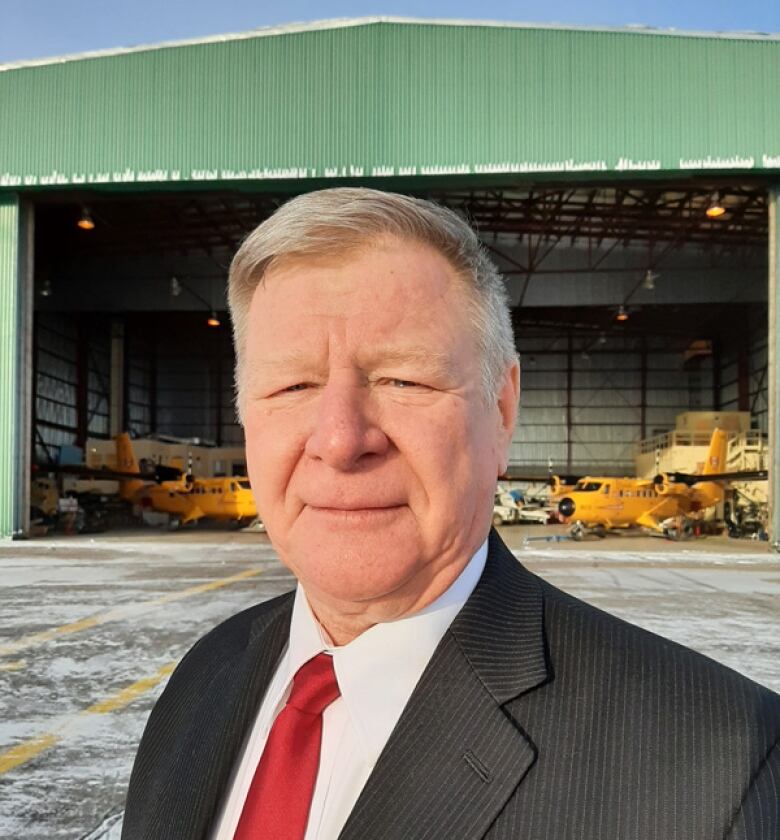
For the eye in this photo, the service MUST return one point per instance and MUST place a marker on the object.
(291, 389)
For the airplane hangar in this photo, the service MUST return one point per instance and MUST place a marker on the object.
(625, 181)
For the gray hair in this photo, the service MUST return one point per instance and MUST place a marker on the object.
(335, 221)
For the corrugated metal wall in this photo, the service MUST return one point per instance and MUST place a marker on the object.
(67, 348)
(180, 382)
(585, 409)
(744, 374)
(9, 358)
(399, 99)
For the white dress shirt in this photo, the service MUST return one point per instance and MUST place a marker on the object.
(376, 672)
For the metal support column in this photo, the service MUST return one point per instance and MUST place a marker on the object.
(16, 305)
(743, 376)
(217, 362)
(82, 381)
(569, 399)
(116, 410)
(643, 389)
(774, 367)
(717, 378)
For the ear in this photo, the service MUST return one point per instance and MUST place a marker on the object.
(508, 398)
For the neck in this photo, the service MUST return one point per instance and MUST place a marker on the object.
(344, 621)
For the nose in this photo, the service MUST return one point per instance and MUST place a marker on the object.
(344, 433)
(566, 507)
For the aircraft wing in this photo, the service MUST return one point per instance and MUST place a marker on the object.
(691, 478)
(159, 474)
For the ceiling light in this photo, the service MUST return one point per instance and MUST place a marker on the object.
(175, 287)
(213, 321)
(622, 315)
(649, 280)
(86, 222)
(46, 289)
(715, 208)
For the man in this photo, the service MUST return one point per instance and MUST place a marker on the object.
(420, 683)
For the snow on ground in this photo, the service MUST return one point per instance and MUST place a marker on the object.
(125, 608)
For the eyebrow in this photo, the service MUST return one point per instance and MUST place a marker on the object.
(380, 357)
(376, 357)
(299, 358)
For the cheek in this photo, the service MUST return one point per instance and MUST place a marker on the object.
(449, 450)
(271, 453)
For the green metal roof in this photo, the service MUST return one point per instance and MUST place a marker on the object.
(383, 99)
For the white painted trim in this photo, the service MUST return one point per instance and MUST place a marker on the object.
(343, 23)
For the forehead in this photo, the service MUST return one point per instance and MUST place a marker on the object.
(390, 288)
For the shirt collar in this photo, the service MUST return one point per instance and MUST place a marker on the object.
(378, 670)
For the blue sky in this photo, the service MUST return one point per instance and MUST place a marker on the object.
(37, 28)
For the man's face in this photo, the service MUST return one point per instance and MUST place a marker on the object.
(372, 454)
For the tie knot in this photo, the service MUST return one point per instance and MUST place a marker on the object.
(314, 685)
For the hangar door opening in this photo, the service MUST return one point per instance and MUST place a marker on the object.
(632, 307)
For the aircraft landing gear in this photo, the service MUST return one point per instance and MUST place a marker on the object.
(679, 529)
(579, 531)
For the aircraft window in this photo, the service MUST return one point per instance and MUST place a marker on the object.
(587, 486)
(233, 487)
(245, 485)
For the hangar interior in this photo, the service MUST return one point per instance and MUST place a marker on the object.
(630, 306)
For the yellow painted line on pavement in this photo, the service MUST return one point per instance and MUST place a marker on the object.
(127, 695)
(14, 665)
(119, 613)
(28, 750)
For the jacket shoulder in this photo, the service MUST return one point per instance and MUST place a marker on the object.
(646, 720)
(229, 637)
(583, 636)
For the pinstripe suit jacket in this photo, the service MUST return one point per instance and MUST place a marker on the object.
(539, 717)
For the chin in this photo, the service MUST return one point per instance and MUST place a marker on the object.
(353, 566)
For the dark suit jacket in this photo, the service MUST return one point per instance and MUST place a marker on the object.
(539, 717)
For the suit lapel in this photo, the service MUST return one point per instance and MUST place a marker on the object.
(226, 710)
(457, 755)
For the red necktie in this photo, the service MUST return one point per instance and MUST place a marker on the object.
(277, 805)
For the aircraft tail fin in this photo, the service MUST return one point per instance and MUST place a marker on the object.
(716, 456)
(126, 462)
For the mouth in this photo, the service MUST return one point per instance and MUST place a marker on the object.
(356, 514)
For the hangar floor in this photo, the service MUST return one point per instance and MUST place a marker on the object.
(91, 628)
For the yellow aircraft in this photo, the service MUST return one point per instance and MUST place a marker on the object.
(187, 499)
(667, 504)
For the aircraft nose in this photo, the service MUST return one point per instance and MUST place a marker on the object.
(566, 507)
